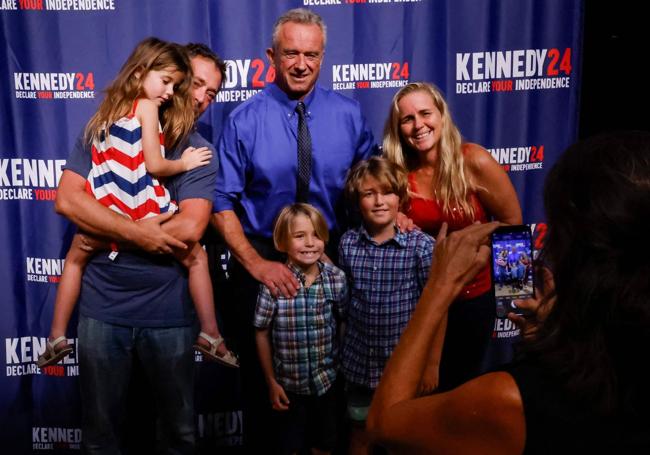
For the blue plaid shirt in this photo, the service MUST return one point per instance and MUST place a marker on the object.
(303, 335)
(385, 282)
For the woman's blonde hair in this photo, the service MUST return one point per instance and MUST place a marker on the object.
(177, 115)
(452, 187)
(282, 228)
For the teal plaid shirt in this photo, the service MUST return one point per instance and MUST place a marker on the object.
(303, 330)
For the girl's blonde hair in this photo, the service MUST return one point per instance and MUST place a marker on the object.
(177, 115)
(453, 187)
(282, 228)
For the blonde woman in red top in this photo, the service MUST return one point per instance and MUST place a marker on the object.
(458, 183)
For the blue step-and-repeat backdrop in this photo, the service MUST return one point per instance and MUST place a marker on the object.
(510, 70)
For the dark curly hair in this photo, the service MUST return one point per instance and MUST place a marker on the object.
(201, 50)
(596, 337)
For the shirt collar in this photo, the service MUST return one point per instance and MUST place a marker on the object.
(299, 273)
(399, 238)
(288, 104)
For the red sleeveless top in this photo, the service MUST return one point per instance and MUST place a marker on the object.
(429, 216)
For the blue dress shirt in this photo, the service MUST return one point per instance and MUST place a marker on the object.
(258, 155)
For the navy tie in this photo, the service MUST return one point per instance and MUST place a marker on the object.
(304, 156)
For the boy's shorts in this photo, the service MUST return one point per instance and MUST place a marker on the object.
(358, 398)
(310, 422)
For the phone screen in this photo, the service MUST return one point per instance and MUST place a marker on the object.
(512, 267)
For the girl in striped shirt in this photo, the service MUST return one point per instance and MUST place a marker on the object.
(128, 158)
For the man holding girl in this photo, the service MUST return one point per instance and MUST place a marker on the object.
(139, 304)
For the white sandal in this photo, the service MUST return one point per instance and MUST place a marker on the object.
(51, 355)
(228, 359)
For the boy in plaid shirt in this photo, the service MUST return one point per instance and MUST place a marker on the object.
(299, 355)
(387, 270)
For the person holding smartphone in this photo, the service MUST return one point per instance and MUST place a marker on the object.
(458, 183)
(578, 385)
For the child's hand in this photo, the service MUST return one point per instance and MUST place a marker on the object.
(195, 157)
(279, 399)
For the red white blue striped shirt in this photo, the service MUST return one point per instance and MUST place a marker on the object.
(118, 177)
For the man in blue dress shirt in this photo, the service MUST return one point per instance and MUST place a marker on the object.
(257, 177)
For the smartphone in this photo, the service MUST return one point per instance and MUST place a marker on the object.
(512, 267)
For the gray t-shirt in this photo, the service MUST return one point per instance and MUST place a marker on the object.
(138, 289)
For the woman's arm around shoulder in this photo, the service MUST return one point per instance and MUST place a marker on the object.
(493, 186)
(482, 416)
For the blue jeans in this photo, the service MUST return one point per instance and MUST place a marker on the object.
(106, 353)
